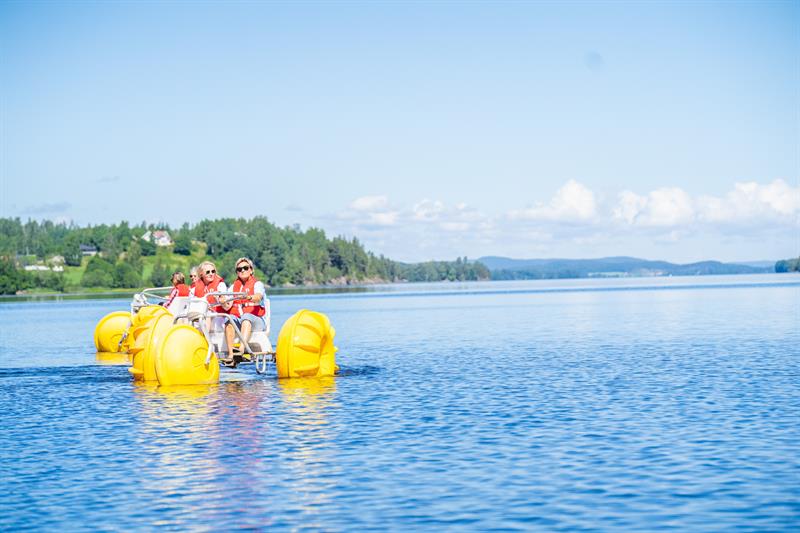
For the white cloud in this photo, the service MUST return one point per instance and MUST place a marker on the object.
(572, 202)
(427, 210)
(368, 212)
(665, 207)
(575, 219)
(383, 219)
(752, 201)
(747, 203)
(369, 203)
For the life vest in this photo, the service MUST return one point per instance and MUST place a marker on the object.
(246, 306)
(178, 290)
(212, 287)
(199, 289)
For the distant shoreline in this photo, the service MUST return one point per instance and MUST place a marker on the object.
(338, 289)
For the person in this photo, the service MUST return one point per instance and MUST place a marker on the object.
(248, 312)
(193, 275)
(208, 281)
(179, 288)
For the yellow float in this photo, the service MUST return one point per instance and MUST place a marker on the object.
(305, 346)
(110, 331)
(182, 358)
(143, 354)
(164, 350)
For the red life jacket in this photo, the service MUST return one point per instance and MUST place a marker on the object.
(199, 288)
(178, 290)
(246, 306)
(212, 287)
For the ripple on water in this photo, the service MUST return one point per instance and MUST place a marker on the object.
(607, 410)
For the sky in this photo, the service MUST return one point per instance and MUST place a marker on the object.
(428, 130)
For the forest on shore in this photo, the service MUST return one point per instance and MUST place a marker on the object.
(60, 257)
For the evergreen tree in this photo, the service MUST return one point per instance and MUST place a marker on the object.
(161, 275)
(99, 273)
(148, 246)
(71, 250)
(125, 276)
(12, 279)
(183, 243)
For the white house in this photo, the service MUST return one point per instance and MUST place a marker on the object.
(159, 237)
(37, 268)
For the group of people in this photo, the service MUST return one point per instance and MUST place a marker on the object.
(247, 311)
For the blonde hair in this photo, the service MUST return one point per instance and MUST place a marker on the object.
(201, 268)
(247, 260)
(193, 271)
(179, 277)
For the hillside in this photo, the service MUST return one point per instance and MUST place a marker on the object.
(47, 256)
(507, 268)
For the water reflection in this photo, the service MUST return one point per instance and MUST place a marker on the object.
(112, 358)
(177, 448)
(311, 459)
(309, 392)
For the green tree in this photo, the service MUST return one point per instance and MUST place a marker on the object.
(99, 273)
(71, 249)
(788, 265)
(134, 256)
(125, 276)
(110, 247)
(12, 279)
(183, 243)
(161, 275)
(148, 246)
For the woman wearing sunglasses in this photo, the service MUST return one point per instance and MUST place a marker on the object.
(208, 281)
(193, 277)
(248, 312)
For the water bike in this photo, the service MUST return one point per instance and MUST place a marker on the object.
(184, 344)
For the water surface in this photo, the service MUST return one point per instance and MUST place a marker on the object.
(578, 404)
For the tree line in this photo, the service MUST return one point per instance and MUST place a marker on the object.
(788, 265)
(284, 256)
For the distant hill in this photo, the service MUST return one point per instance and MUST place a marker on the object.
(507, 268)
(758, 264)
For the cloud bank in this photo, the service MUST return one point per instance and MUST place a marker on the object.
(573, 214)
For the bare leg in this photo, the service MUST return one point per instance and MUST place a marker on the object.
(247, 328)
(229, 334)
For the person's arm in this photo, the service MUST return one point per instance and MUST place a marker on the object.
(172, 296)
(259, 294)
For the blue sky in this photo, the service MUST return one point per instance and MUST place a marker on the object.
(664, 130)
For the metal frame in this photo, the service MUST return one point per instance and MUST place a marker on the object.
(261, 359)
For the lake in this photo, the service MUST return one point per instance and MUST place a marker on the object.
(624, 404)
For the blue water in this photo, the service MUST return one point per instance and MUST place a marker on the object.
(562, 405)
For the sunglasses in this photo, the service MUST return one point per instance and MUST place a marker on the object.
(242, 269)
(211, 271)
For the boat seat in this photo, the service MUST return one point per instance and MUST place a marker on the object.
(178, 305)
(259, 342)
(196, 308)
